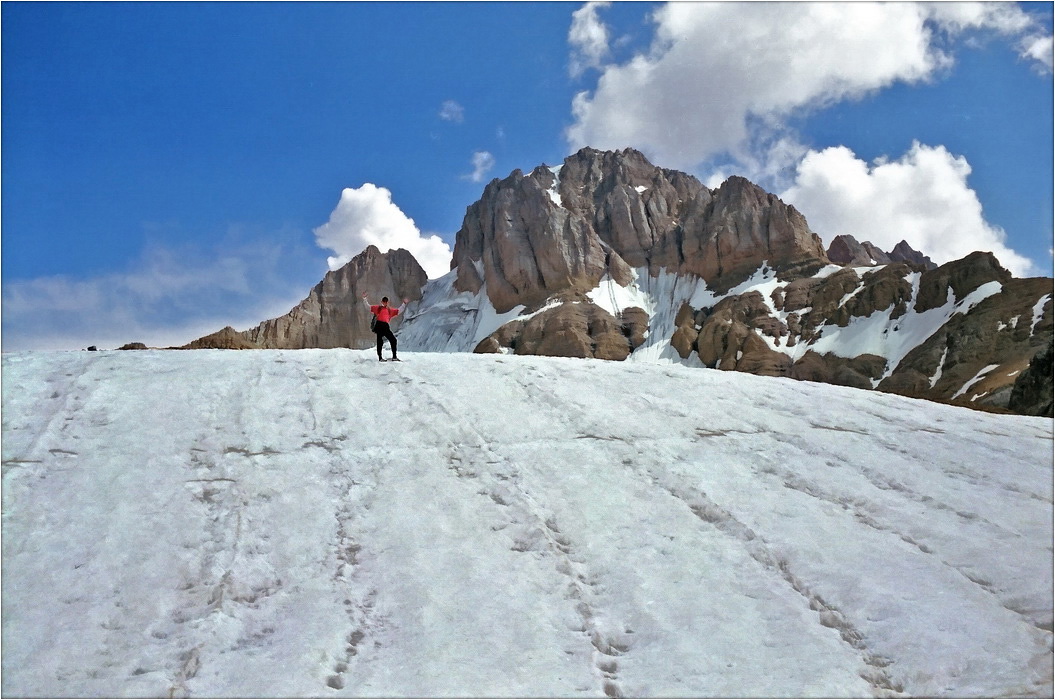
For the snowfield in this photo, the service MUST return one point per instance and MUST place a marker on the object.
(315, 523)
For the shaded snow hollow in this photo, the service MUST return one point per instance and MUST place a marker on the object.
(315, 523)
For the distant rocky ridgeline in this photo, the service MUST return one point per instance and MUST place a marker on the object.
(609, 256)
(845, 250)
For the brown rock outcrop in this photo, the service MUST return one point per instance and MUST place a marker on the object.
(573, 329)
(635, 326)
(999, 332)
(728, 339)
(903, 252)
(743, 228)
(333, 315)
(961, 276)
(858, 372)
(845, 250)
(225, 339)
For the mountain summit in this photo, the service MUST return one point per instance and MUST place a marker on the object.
(605, 213)
(609, 256)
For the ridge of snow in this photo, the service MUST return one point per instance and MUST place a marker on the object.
(941, 365)
(982, 373)
(314, 523)
(554, 190)
(881, 335)
(828, 271)
(1038, 312)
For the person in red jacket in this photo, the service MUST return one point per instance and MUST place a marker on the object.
(384, 314)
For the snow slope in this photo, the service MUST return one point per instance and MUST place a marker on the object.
(315, 523)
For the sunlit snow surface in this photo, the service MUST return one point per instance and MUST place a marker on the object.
(315, 523)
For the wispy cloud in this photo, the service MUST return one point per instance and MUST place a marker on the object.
(451, 111)
(483, 163)
(588, 38)
(367, 216)
(167, 296)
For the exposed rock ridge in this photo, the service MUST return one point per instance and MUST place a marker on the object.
(988, 329)
(846, 250)
(333, 315)
(1033, 390)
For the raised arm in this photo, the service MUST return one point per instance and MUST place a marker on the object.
(366, 301)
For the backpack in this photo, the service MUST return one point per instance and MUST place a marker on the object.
(373, 323)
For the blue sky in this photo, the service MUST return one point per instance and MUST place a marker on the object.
(171, 168)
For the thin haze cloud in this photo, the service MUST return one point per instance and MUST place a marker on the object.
(483, 163)
(156, 301)
(451, 111)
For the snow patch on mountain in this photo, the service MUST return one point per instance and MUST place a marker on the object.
(554, 190)
(445, 320)
(1038, 311)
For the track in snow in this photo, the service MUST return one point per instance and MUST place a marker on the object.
(315, 523)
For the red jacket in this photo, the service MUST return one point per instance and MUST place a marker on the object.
(384, 313)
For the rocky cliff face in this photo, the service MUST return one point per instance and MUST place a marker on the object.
(333, 315)
(961, 332)
(1033, 390)
(605, 213)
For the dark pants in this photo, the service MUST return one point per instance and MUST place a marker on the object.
(383, 331)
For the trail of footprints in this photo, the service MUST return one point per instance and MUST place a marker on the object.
(543, 534)
(704, 508)
(360, 612)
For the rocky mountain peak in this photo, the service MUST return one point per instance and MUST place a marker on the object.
(607, 255)
(605, 212)
(333, 315)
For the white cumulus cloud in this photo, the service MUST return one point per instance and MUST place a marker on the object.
(367, 216)
(1039, 49)
(922, 198)
(722, 79)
